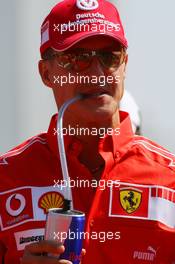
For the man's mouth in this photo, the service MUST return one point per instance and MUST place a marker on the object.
(94, 94)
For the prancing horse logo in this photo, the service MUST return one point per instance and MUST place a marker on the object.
(130, 199)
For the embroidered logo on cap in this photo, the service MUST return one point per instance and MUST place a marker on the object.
(87, 4)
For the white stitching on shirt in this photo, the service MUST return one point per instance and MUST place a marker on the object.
(157, 150)
(20, 150)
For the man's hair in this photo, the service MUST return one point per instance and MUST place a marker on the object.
(47, 54)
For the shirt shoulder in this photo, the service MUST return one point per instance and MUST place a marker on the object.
(154, 152)
(32, 145)
(25, 164)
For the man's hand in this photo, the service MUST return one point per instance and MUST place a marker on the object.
(33, 253)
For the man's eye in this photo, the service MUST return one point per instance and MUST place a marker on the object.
(115, 57)
(83, 56)
(107, 56)
(64, 58)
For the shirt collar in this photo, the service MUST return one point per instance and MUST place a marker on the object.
(121, 141)
(117, 143)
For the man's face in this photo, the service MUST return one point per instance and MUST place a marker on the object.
(103, 84)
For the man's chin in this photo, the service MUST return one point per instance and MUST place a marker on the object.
(102, 114)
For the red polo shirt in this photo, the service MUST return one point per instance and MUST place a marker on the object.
(130, 220)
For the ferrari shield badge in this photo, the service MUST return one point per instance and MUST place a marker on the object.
(130, 199)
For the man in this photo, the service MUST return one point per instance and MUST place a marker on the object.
(130, 222)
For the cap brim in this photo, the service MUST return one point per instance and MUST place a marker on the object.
(69, 42)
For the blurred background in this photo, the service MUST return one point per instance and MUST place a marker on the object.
(26, 105)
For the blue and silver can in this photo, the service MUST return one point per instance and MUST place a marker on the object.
(66, 227)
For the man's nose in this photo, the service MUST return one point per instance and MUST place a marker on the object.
(95, 67)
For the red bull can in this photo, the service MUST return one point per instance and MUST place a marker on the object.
(67, 227)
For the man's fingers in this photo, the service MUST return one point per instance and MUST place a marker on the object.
(42, 260)
(83, 252)
(63, 261)
(46, 247)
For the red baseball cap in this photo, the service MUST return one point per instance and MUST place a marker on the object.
(73, 20)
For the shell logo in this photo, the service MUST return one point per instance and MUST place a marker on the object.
(51, 200)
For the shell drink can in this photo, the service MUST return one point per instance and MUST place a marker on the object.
(66, 227)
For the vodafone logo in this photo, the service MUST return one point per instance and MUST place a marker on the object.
(26, 204)
(21, 204)
(87, 4)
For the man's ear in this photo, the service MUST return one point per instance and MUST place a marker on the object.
(126, 62)
(43, 67)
